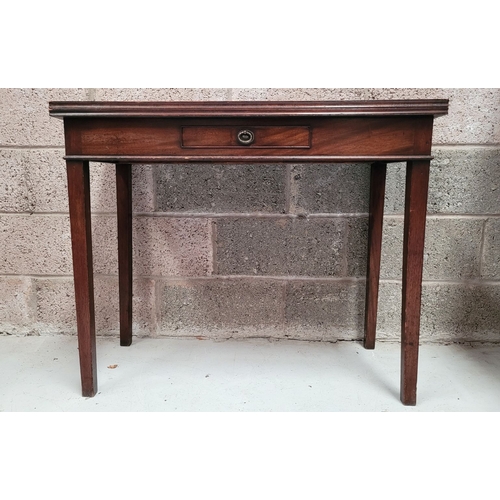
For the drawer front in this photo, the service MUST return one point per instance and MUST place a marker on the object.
(207, 137)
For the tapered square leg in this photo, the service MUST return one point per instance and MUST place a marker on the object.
(417, 181)
(81, 238)
(377, 194)
(124, 210)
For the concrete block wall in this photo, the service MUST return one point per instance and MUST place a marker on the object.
(260, 250)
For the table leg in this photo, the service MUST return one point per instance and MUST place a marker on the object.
(81, 241)
(124, 206)
(377, 194)
(417, 181)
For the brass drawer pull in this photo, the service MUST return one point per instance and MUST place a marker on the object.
(246, 137)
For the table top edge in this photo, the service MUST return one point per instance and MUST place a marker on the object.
(61, 109)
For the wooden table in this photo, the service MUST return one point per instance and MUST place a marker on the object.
(378, 132)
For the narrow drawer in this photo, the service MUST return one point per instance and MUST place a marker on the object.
(246, 137)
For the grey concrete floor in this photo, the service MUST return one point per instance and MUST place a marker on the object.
(256, 375)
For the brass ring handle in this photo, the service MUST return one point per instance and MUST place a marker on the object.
(246, 137)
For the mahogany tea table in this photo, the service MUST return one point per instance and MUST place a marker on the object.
(123, 133)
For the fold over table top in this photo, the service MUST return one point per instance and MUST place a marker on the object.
(256, 131)
(436, 107)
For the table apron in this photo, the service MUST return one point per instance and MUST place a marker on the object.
(287, 139)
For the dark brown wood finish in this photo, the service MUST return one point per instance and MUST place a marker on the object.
(323, 139)
(378, 132)
(375, 224)
(417, 182)
(81, 238)
(227, 137)
(141, 109)
(124, 216)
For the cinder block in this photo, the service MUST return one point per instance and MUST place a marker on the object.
(36, 180)
(16, 305)
(462, 181)
(391, 262)
(144, 313)
(41, 244)
(143, 188)
(281, 247)
(395, 183)
(330, 188)
(450, 313)
(460, 313)
(105, 244)
(389, 311)
(14, 190)
(452, 249)
(490, 268)
(103, 188)
(172, 247)
(472, 116)
(162, 246)
(221, 307)
(55, 306)
(357, 246)
(43, 174)
(298, 94)
(220, 188)
(24, 116)
(35, 244)
(465, 181)
(413, 93)
(330, 310)
(161, 94)
(46, 179)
